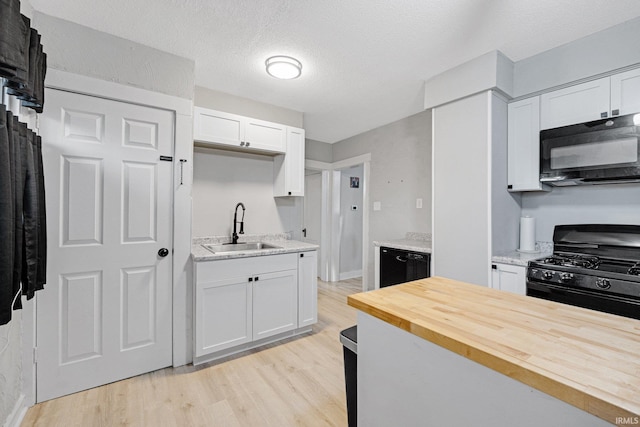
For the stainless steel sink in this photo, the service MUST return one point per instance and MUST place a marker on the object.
(240, 247)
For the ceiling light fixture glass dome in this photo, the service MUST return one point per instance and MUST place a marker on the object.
(283, 67)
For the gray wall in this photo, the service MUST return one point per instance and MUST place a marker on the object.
(604, 51)
(82, 50)
(221, 101)
(317, 150)
(400, 173)
(221, 179)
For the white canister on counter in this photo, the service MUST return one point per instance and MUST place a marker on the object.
(527, 234)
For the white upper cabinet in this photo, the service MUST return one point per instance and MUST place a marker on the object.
(575, 104)
(266, 136)
(523, 172)
(288, 169)
(217, 127)
(238, 132)
(625, 93)
(607, 97)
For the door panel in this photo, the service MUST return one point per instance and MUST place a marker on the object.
(81, 200)
(575, 104)
(81, 316)
(139, 202)
(275, 303)
(105, 313)
(138, 310)
(222, 317)
(625, 93)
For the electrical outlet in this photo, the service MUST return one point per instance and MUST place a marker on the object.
(376, 206)
(418, 203)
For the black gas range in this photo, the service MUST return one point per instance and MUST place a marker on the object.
(594, 266)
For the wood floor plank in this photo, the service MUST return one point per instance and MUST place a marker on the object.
(296, 382)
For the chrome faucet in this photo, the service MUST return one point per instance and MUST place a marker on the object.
(234, 236)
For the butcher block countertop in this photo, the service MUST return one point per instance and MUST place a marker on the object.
(586, 358)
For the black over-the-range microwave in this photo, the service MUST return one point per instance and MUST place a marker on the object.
(597, 152)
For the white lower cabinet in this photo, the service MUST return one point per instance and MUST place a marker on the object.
(307, 289)
(275, 303)
(222, 302)
(510, 278)
(241, 301)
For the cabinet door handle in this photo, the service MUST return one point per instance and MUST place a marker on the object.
(248, 143)
(251, 279)
(257, 278)
(289, 192)
(241, 143)
(615, 112)
(301, 255)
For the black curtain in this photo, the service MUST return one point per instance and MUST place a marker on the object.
(23, 230)
(23, 220)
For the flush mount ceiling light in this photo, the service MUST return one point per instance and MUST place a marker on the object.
(283, 67)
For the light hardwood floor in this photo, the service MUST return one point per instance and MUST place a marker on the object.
(298, 382)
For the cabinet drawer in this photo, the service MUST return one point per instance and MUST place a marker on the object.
(229, 268)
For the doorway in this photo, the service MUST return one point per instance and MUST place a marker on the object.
(106, 312)
(350, 217)
(334, 237)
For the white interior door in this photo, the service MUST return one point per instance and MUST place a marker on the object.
(313, 209)
(105, 313)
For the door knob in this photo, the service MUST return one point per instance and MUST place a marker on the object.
(163, 252)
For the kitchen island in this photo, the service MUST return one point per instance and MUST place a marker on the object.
(442, 352)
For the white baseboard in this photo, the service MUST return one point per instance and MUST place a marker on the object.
(17, 415)
(350, 274)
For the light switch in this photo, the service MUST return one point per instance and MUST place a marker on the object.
(376, 206)
(418, 203)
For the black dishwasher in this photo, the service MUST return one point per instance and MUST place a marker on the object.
(400, 266)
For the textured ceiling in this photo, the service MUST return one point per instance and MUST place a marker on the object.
(364, 61)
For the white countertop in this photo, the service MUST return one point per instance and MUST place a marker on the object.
(517, 258)
(413, 241)
(199, 253)
(406, 244)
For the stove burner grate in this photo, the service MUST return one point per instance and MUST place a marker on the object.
(635, 269)
(590, 262)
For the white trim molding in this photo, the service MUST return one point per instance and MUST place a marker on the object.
(183, 149)
(17, 414)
